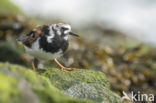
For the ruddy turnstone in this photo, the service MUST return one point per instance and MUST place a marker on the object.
(47, 42)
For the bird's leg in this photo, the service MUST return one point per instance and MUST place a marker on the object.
(33, 66)
(61, 66)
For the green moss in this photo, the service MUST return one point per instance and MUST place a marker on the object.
(65, 79)
(22, 84)
(8, 89)
(8, 7)
(83, 83)
(18, 84)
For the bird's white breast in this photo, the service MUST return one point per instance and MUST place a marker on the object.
(40, 54)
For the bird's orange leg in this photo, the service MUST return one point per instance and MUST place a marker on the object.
(61, 66)
(33, 66)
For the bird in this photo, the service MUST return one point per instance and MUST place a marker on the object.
(47, 42)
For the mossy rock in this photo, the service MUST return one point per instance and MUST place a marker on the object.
(83, 83)
(6, 6)
(9, 52)
(21, 85)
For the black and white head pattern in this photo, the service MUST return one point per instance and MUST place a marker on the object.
(55, 38)
(59, 29)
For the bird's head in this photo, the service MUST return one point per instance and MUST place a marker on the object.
(64, 29)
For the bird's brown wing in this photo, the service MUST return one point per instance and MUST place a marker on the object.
(32, 36)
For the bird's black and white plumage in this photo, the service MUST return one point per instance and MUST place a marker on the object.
(47, 42)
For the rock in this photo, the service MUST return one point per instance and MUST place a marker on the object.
(10, 52)
(83, 83)
(22, 85)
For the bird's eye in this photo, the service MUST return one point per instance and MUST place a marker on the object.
(57, 26)
(63, 28)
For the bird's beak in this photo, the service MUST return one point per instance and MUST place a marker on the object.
(71, 33)
(22, 38)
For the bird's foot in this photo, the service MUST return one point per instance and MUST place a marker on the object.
(33, 66)
(61, 66)
(64, 68)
